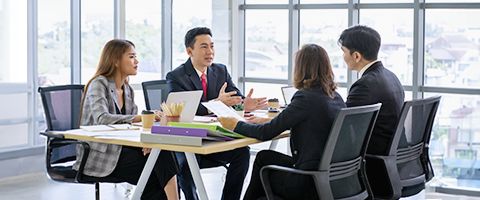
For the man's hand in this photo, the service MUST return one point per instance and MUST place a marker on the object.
(258, 120)
(228, 122)
(252, 104)
(227, 97)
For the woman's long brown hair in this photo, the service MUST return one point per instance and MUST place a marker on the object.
(111, 55)
(313, 69)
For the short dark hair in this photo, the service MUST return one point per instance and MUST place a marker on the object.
(313, 69)
(362, 39)
(192, 33)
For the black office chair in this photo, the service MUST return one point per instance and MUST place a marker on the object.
(342, 162)
(61, 105)
(406, 164)
(155, 92)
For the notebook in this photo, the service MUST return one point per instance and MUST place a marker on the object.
(288, 92)
(190, 99)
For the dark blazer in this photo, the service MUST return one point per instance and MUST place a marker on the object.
(185, 78)
(379, 85)
(310, 117)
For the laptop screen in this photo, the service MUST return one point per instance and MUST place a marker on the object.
(191, 99)
(288, 92)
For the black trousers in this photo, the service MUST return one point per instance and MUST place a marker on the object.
(130, 166)
(287, 186)
(237, 161)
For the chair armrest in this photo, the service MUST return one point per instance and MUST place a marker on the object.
(288, 170)
(265, 173)
(59, 141)
(52, 135)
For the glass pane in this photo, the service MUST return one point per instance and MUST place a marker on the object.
(97, 30)
(323, 1)
(266, 2)
(13, 37)
(268, 90)
(185, 17)
(450, 1)
(266, 43)
(397, 39)
(139, 100)
(13, 135)
(455, 141)
(452, 48)
(17, 110)
(325, 33)
(53, 42)
(143, 28)
(386, 1)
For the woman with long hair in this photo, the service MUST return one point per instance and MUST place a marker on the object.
(309, 117)
(109, 99)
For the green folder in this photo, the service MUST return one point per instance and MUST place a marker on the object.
(211, 127)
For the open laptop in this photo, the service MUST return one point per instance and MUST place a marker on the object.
(190, 99)
(288, 92)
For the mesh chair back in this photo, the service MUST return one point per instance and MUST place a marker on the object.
(346, 146)
(412, 138)
(61, 105)
(155, 92)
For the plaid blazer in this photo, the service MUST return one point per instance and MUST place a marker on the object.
(100, 107)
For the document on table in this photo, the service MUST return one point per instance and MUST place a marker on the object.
(221, 110)
(109, 127)
(106, 134)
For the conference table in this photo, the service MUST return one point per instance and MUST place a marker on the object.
(132, 138)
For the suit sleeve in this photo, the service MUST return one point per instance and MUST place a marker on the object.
(230, 85)
(174, 83)
(358, 95)
(295, 113)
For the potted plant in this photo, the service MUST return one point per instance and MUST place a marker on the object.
(240, 109)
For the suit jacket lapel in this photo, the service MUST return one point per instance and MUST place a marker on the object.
(193, 76)
(212, 92)
(113, 93)
(127, 100)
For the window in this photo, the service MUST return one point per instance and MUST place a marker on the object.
(13, 51)
(97, 30)
(266, 1)
(14, 118)
(455, 130)
(143, 28)
(397, 39)
(266, 44)
(452, 48)
(53, 42)
(325, 33)
(186, 16)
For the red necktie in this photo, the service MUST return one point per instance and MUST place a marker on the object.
(204, 85)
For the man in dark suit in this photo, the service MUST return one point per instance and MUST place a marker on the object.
(200, 73)
(376, 84)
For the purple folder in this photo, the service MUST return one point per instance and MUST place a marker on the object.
(170, 130)
(192, 132)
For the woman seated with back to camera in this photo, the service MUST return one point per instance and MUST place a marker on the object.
(309, 116)
(108, 99)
